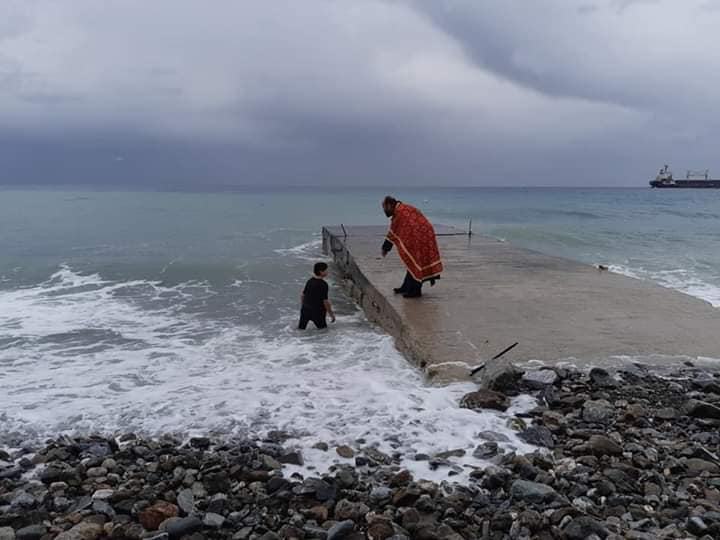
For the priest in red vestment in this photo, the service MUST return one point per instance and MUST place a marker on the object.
(414, 237)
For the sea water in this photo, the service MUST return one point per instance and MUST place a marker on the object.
(168, 312)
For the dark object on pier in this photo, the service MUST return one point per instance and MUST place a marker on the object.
(511, 347)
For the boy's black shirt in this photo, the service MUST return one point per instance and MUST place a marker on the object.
(315, 293)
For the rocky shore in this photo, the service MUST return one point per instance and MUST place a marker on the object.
(623, 455)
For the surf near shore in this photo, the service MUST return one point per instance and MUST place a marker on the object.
(630, 454)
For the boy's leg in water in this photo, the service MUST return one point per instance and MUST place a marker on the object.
(320, 320)
(304, 319)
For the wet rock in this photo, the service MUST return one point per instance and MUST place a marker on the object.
(126, 531)
(274, 484)
(640, 535)
(321, 490)
(409, 518)
(697, 466)
(102, 494)
(182, 527)
(85, 530)
(583, 527)
(532, 492)
(380, 493)
(200, 442)
(516, 423)
(345, 452)
(531, 519)
(31, 532)
(485, 399)
(707, 385)
(346, 510)
(7, 533)
(346, 478)
(495, 477)
(292, 458)
(486, 450)
(377, 456)
(214, 521)
(697, 526)
(319, 513)
(216, 482)
(96, 472)
(11, 473)
(600, 445)
(701, 409)
(340, 530)
(458, 452)
(601, 378)
(22, 499)
(57, 472)
(598, 411)
(102, 507)
(186, 501)
(500, 375)
(403, 478)
(540, 378)
(538, 435)
(667, 413)
(425, 504)
(493, 437)
(153, 516)
(271, 463)
(406, 496)
(380, 529)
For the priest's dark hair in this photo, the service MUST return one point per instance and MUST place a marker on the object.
(390, 201)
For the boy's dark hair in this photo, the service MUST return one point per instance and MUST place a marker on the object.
(319, 267)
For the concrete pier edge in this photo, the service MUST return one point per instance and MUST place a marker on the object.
(493, 293)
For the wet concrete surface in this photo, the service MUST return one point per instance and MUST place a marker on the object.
(493, 294)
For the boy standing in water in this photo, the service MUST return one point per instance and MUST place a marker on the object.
(315, 303)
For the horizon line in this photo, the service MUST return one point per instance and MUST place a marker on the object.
(265, 187)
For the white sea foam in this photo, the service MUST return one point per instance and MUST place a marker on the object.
(305, 251)
(82, 354)
(680, 279)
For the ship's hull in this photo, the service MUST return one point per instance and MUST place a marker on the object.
(686, 184)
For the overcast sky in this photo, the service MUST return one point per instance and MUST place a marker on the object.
(361, 92)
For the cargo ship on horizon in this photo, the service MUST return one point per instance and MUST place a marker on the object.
(693, 179)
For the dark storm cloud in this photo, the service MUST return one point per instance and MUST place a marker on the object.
(377, 92)
(643, 54)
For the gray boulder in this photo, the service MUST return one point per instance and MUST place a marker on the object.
(598, 412)
(538, 435)
(540, 378)
(485, 399)
(583, 527)
(701, 409)
(532, 492)
(500, 375)
(340, 530)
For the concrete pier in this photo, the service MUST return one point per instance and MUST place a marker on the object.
(493, 294)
